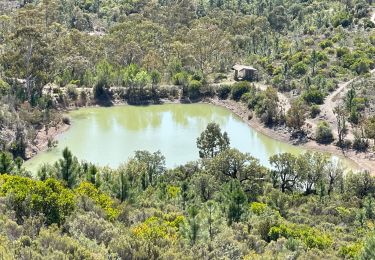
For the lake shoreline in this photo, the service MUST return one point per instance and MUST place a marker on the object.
(43, 137)
(281, 134)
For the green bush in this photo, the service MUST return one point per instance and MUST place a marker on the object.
(223, 91)
(72, 91)
(30, 197)
(194, 89)
(4, 87)
(323, 133)
(314, 111)
(313, 96)
(99, 198)
(350, 251)
(299, 68)
(340, 52)
(360, 144)
(258, 208)
(325, 44)
(343, 18)
(239, 88)
(180, 78)
(312, 238)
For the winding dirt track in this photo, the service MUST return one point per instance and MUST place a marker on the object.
(332, 100)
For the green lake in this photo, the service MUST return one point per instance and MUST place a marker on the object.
(110, 135)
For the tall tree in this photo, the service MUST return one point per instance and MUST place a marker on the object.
(236, 201)
(342, 129)
(194, 224)
(212, 141)
(334, 175)
(68, 168)
(312, 169)
(154, 162)
(296, 115)
(285, 173)
(6, 163)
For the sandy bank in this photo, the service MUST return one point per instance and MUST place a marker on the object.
(43, 137)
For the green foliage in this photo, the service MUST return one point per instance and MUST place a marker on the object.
(314, 111)
(313, 96)
(194, 89)
(360, 144)
(323, 133)
(223, 91)
(236, 199)
(312, 238)
(212, 141)
(258, 208)
(29, 197)
(159, 228)
(368, 251)
(350, 251)
(180, 78)
(299, 69)
(370, 127)
(6, 163)
(238, 89)
(267, 107)
(4, 87)
(123, 51)
(68, 168)
(99, 198)
(296, 115)
(325, 44)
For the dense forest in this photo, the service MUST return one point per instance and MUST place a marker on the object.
(315, 64)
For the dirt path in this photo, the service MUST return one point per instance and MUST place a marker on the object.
(331, 101)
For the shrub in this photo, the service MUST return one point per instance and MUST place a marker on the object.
(361, 66)
(324, 133)
(310, 236)
(314, 111)
(240, 88)
(223, 91)
(29, 197)
(220, 76)
(155, 228)
(360, 144)
(99, 91)
(350, 251)
(340, 52)
(180, 78)
(313, 96)
(194, 89)
(99, 198)
(299, 68)
(343, 18)
(72, 91)
(4, 87)
(258, 208)
(325, 44)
